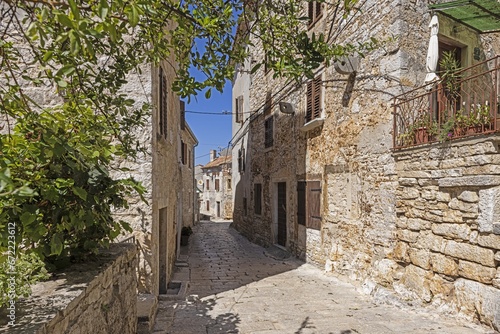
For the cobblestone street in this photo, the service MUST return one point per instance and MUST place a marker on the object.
(235, 287)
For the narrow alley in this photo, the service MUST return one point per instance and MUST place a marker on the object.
(236, 287)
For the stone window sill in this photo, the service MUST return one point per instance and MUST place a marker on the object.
(315, 123)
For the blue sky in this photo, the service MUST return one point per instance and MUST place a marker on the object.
(213, 131)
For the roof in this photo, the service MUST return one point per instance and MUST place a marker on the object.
(480, 15)
(219, 161)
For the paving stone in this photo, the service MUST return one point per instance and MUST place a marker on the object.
(236, 288)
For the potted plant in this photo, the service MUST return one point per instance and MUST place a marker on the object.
(185, 233)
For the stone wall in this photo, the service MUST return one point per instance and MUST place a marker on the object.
(448, 230)
(362, 189)
(98, 296)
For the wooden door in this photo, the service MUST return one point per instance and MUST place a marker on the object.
(282, 213)
(313, 205)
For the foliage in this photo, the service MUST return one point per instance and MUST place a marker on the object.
(450, 77)
(29, 270)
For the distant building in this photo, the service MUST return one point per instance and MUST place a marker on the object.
(217, 186)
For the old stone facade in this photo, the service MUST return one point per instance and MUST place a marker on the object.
(324, 181)
(217, 199)
(166, 172)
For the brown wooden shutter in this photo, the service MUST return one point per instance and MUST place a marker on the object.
(268, 132)
(309, 108)
(301, 202)
(314, 205)
(317, 97)
(217, 188)
(237, 107)
(257, 198)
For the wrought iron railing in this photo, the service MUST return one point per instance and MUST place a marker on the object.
(468, 104)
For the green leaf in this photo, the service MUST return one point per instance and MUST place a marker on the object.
(80, 192)
(103, 9)
(208, 93)
(27, 218)
(74, 9)
(64, 20)
(56, 245)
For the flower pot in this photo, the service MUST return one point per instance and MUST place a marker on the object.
(421, 136)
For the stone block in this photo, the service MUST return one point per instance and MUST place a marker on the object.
(400, 252)
(489, 208)
(469, 252)
(476, 271)
(441, 287)
(408, 181)
(467, 181)
(384, 272)
(443, 197)
(420, 257)
(497, 256)
(407, 235)
(444, 265)
(453, 216)
(410, 193)
(459, 205)
(489, 241)
(416, 224)
(430, 241)
(477, 299)
(418, 280)
(454, 231)
(429, 195)
(427, 182)
(469, 196)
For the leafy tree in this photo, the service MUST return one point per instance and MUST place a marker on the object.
(56, 155)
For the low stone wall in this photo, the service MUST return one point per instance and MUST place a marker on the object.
(98, 296)
(448, 226)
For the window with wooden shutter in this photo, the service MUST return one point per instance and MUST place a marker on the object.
(315, 11)
(309, 204)
(208, 184)
(257, 198)
(313, 108)
(269, 132)
(183, 152)
(217, 187)
(239, 109)
(163, 104)
(313, 203)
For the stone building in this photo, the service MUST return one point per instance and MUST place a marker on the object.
(326, 173)
(217, 200)
(166, 171)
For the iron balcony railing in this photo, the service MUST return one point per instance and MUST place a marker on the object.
(465, 104)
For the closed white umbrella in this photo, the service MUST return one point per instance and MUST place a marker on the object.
(432, 52)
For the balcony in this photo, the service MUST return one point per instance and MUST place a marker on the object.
(467, 106)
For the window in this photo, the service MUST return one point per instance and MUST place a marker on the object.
(268, 132)
(183, 115)
(313, 109)
(257, 198)
(241, 160)
(228, 184)
(163, 104)
(184, 153)
(309, 204)
(208, 205)
(208, 184)
(239, 109)
(315, 11)
(217, 187)
(189, 159)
